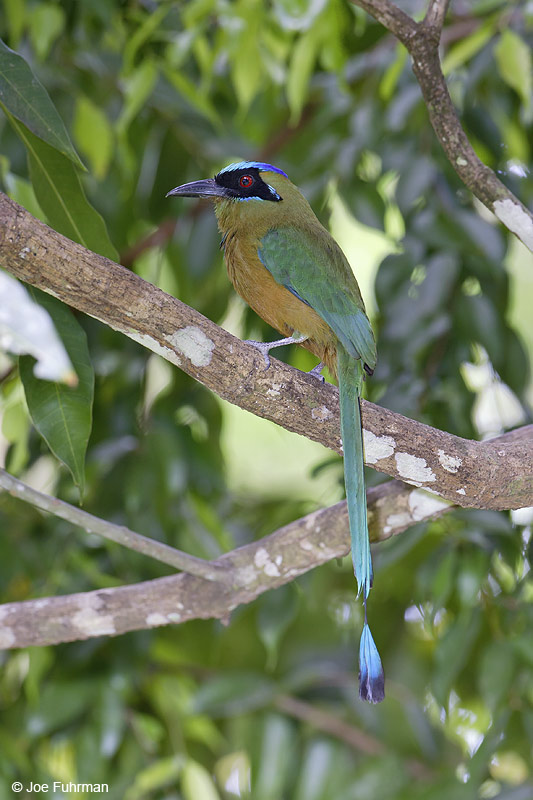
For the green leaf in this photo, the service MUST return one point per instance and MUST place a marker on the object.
(477, 766)
(15, 429)
(364, 202)
(496, 672)
(161, 773)
(148, 730)
(15, 13)
(21, 191)
(110, 713)
(196, 782)
(473, 569)
(63, 415)
(272, 757)
(94, 135)
(247, 67)
(142, 33)
(513, 58)
(414, 181)
(198, 100)
(23, 96)
(200, 728)
(301, 67)
(247, 73)
(334, 22)
(392, 74)
(483, 325)
(60, 194)
(316, 771)
(46, 22)
(41, 659)
(277, 609)
(443, 574)
(60, 703)
(233, 693)
(523, 646)
(298, 15)
(136, 88)
(467, 48)
(453, 651)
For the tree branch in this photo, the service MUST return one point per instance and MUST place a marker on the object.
(391, 17)
(435, 14)
(422, 42)
(255, 568)
(163, 232)
(357, 739)
(469, 473)
(289, 552)
(115, 533)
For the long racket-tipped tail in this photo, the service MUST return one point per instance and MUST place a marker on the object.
(350, 374)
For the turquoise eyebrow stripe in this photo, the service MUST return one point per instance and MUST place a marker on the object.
(253, 164)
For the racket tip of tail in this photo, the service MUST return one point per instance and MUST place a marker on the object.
(371, 675)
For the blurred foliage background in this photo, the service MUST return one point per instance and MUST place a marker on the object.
(154, 94)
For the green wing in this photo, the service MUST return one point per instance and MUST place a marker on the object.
(312, 266)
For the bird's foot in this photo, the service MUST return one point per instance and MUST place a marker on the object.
(265, 347)
(316, 372)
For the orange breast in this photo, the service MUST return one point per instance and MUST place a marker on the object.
(275, 304)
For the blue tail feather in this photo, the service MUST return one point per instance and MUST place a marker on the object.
(350, 373)
(350, 380)
(371, 675)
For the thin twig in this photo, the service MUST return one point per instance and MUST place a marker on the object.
(329, 723)
(391, 17)
(157, 238)
(436, 13)
(286, 133)
(354, 737)
(459, 30)
(115, 533)
(422, 42)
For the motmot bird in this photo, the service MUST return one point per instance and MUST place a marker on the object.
(292, 272)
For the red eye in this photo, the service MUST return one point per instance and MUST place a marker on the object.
(245, 181)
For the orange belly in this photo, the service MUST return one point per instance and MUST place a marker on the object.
(276, 305)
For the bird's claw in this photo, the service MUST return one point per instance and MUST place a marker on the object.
(316, 372)
(263, 348)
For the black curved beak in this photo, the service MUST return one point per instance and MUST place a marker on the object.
(206, 188)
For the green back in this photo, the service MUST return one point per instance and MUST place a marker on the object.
(312, 266)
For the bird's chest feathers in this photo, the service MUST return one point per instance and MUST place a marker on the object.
(256, 285)
(274, 303)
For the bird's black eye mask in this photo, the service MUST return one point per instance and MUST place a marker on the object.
(246, 184)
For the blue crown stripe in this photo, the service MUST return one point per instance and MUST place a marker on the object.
(261, 165)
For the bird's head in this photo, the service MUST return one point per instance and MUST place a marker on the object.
(250, 196)
(240, 182)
